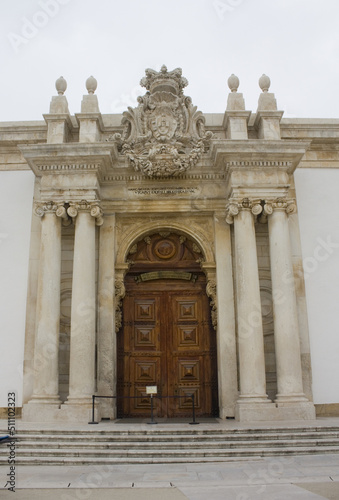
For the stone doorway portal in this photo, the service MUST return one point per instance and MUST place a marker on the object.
(166, 339)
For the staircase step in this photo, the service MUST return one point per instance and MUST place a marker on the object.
(133, 446)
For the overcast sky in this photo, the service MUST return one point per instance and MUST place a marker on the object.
(294, 42)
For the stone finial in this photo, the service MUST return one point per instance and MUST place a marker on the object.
(264, 83)
(61, 85)
(91, 84)
(233, 83)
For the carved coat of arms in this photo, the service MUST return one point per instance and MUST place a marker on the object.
(165, 135)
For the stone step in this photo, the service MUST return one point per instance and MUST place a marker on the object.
(158, 445)
(196, 444)
(165, 451)
(80, 458)
(194, 430)
(127, 438)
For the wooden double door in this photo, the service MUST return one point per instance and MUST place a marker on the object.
(167, 341)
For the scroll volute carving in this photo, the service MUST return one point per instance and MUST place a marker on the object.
(211, 291)
(120, 292)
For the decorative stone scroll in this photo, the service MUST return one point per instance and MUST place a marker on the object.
(234, 207)
(211, 290)
(282, 204)
(165, 135)
(120, 292)
(92, 207)
(42, 208)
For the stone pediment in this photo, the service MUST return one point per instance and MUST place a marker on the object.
(165, 135)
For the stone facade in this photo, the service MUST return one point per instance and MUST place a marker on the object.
(226, 182)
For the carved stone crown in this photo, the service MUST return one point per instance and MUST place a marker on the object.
(164, 81)
(165, 135)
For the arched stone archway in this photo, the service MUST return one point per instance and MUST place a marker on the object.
(135, 233)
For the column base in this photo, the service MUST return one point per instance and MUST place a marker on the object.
(46, 400)
(227, 412)
(254, 412)
(79, 412)
(291, 398)
(34, 411)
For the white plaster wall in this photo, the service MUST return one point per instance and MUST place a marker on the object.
(318, 206)
(16, 197)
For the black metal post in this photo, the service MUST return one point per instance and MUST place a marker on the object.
(193, 411)
(93, 403)
(152, 416)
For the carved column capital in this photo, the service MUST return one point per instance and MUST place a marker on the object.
(46, 207)
(92, 208)
(235, 206)
(280, 204)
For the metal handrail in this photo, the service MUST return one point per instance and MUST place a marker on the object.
(151, 396)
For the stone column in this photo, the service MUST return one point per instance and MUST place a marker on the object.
(83, 312)
(46, 351)
(250, 331)
(286, 329)
(226, 340)
(107, 355)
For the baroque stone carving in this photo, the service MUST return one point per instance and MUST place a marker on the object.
(165, 135)
(120, 292)
(211, 290)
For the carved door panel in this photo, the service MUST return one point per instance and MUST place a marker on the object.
(190, 354)
(143, 351)
(167, 341)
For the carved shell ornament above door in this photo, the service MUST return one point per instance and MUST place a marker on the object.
(165, 135)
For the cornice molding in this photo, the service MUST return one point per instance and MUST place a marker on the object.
(60, 158)
(258, 153)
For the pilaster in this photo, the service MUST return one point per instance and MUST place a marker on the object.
(226, 339)
(286, 329)
(107, 355)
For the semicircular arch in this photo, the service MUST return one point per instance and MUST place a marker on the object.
(135, 234)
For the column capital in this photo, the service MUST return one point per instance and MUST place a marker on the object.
(236, 205)
(46, 207)
(42, 208)
(91, 207)
(281, 205)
